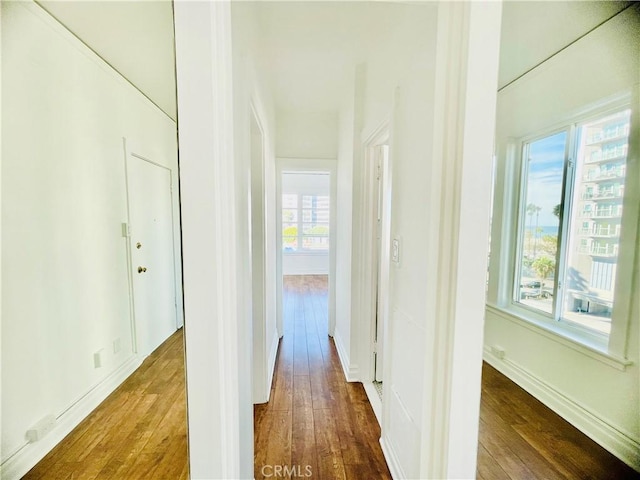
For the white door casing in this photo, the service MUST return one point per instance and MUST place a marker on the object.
(382, 261)
(152, 252)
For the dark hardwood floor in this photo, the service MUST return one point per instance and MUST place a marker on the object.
(520, 438)
(315, 422)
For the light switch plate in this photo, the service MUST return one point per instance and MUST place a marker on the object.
(395, 250)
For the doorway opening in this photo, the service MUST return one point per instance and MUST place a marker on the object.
(306, 193)
(376, 250)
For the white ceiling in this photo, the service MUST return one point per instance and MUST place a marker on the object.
(309, 50)
(134, 37)
(532, 31)
(309, 46)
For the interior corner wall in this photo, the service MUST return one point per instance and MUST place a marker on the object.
(599, 399)
(65, 284)
(344, 194)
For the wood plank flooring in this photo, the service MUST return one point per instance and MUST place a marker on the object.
(520, 438)
(138, 432)
(315, 423)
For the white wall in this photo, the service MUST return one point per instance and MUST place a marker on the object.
(65, 286)
(404, 60)
(584, 387)
(305, 264)
(440, 153)
(307, 134)
(344, 246)
(253, 99)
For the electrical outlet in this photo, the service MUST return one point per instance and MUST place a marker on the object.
(498, 351)
(40, 429)
(97, 359)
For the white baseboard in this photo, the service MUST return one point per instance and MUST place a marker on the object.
(24, 459)
(374, 400)
(271, 366)
(392, 460)
(606, 435)
(351, 372)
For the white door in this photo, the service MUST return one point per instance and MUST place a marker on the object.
(152, 252)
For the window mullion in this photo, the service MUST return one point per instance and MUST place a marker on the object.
(300, 244)
(521, 212)
(565, 220)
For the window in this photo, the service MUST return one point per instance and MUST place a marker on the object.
(569, 221)
(305, 222)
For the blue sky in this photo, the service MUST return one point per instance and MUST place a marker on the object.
(546, 163)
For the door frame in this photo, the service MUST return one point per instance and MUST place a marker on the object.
(284, 164)
(374, 290)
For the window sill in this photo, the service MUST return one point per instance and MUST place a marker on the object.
(566, 336)
(306, 253)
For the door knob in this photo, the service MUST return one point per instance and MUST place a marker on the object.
(142, 269)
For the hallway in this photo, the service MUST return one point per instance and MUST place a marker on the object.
(315, 421)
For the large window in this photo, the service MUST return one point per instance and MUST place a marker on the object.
(569, 222)
(305, 223)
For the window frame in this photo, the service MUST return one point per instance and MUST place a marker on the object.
(521, 220)
(613, 345)
(300, 223)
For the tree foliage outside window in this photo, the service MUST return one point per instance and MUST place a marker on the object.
(305, 223)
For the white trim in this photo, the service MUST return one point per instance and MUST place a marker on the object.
(350, 370)
(257, 254)
(271, 366)
(27, 456)
(374, 400)
(614, 440)
(467, 57)
(364, 250)
(451, 52)
(393, 463)
(219, 418)
(560, 335)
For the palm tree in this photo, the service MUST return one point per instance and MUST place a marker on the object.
(544, 266)
(532, 209)
(537, 231)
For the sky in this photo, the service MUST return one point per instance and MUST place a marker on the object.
(544, 186)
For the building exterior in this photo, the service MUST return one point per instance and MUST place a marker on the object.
(600, 176)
